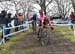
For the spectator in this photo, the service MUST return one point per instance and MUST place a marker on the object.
(3, 22)
(16, 22)
(34, 20)
(20, 19)
(3, 17)
(8, 20)
(72, 16)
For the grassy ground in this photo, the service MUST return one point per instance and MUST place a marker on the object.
(4, 48)
(66, 33)
(58, 44)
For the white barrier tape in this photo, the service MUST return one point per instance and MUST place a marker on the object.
(16, 26)
(16, 32)
(13, 34)
(64, 24)
(25, 25)
(29, 22)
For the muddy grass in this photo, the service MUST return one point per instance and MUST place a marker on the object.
(30, 45)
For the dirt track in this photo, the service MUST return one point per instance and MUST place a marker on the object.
(30, 45)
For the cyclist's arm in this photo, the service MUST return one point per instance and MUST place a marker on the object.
(51, 26)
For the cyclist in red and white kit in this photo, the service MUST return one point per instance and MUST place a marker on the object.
(43, 21)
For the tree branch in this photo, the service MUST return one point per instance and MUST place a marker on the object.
(49, 11)
(49, 3)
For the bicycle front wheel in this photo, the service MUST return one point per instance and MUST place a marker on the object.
(44, 41)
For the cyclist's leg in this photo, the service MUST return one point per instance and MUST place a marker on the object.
(33, 26)
(44, 29)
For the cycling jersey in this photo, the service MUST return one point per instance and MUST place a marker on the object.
(44, 22)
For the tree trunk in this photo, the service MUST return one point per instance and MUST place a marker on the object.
(43, 6)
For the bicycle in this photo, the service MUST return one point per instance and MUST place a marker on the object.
(43, 36)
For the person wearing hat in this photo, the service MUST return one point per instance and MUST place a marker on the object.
(3, 23)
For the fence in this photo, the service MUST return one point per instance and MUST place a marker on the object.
(25, 25)
(73, 32)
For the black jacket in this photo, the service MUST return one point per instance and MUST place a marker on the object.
(34, 17)
(2, 19)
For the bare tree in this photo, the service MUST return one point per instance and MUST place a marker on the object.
(63, 7)
(43, 5)
(5, 5)
(16, 5)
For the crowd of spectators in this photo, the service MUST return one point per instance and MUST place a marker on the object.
(5, 21)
